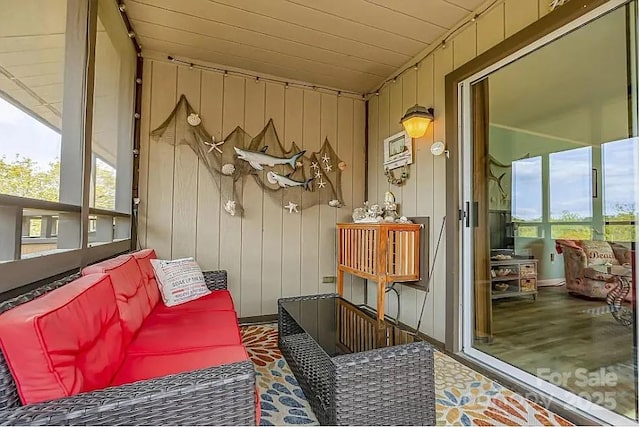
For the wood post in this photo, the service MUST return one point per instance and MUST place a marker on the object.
(10, 233)
(340, 282)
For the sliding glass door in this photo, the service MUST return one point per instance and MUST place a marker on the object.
(550, 154)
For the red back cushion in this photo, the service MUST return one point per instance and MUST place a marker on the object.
(65, 342)
(131, 293)
(144, 258)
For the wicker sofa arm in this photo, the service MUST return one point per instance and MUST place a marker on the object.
(221, 395)
(215, 280)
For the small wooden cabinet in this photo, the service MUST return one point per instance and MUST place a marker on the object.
(381, 252)
(514, 278)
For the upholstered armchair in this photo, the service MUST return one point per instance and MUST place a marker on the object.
(580, 259)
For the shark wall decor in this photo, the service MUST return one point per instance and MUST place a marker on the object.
(287, 176)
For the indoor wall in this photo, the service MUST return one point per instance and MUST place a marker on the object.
(424, 194)
(269, 252)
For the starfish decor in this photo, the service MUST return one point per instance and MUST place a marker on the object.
(213, 145)
(293, 207)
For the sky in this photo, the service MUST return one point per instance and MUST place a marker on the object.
(21, 134)
(570, 176)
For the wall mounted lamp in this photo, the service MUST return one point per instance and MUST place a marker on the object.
(416, 120)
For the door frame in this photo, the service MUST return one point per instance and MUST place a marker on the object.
(459, 310)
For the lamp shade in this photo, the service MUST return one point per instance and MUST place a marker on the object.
(416, 120)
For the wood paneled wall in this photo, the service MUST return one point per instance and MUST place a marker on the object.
(268, 253)
(424, 194)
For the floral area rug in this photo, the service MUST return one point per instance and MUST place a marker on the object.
(463, 396)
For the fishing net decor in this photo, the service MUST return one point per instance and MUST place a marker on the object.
(295, 180)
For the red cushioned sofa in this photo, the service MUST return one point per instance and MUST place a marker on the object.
(102, 348)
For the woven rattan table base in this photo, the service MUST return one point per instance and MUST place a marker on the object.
(384, 386)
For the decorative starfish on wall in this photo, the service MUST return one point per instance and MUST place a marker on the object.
(314, 165)
(213, 145)
(293, 207)
(321, 183)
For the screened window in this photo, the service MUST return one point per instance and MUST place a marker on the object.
(54, 198)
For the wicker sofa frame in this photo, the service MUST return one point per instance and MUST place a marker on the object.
(221, 395)
(391, 385)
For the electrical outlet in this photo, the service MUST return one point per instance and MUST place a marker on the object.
(553, 257)
(329, 279)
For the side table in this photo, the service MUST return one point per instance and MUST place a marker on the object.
(383, 386)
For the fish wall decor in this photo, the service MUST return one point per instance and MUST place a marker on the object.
(286, 175)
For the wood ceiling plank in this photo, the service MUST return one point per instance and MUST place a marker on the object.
(437, 12)
(29, 57)
(33, 17)
(202, 54)
(50, 93)
(265, 25)
(320, 21)
(43, 80)
(469, 5)
(380, 18)
(218, 31)
(261, 58)
(22, 71)
(18, 44)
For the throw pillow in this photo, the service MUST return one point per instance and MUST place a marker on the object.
(599, 252)
(179, 280)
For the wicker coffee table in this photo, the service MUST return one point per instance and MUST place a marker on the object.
(320, 337)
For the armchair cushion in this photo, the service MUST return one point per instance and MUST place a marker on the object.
(65, 342)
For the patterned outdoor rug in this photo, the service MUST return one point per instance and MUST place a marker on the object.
(463, 396)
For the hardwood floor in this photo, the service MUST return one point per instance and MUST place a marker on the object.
(559, 334)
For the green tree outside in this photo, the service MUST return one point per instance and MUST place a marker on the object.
(21, 177)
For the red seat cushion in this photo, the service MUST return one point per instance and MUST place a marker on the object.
(65, 342)
(144, 258)
(137, 367)
(131, 294)
(178, 332)
(215, 301)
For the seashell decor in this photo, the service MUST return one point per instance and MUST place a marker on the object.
(228, 169)
(193, 119)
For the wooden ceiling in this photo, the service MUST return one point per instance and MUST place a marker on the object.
(32, 45)
(346, 44)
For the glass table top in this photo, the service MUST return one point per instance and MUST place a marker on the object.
(318, 318)
(339, 327)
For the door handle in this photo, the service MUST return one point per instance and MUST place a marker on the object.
(466, 214)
